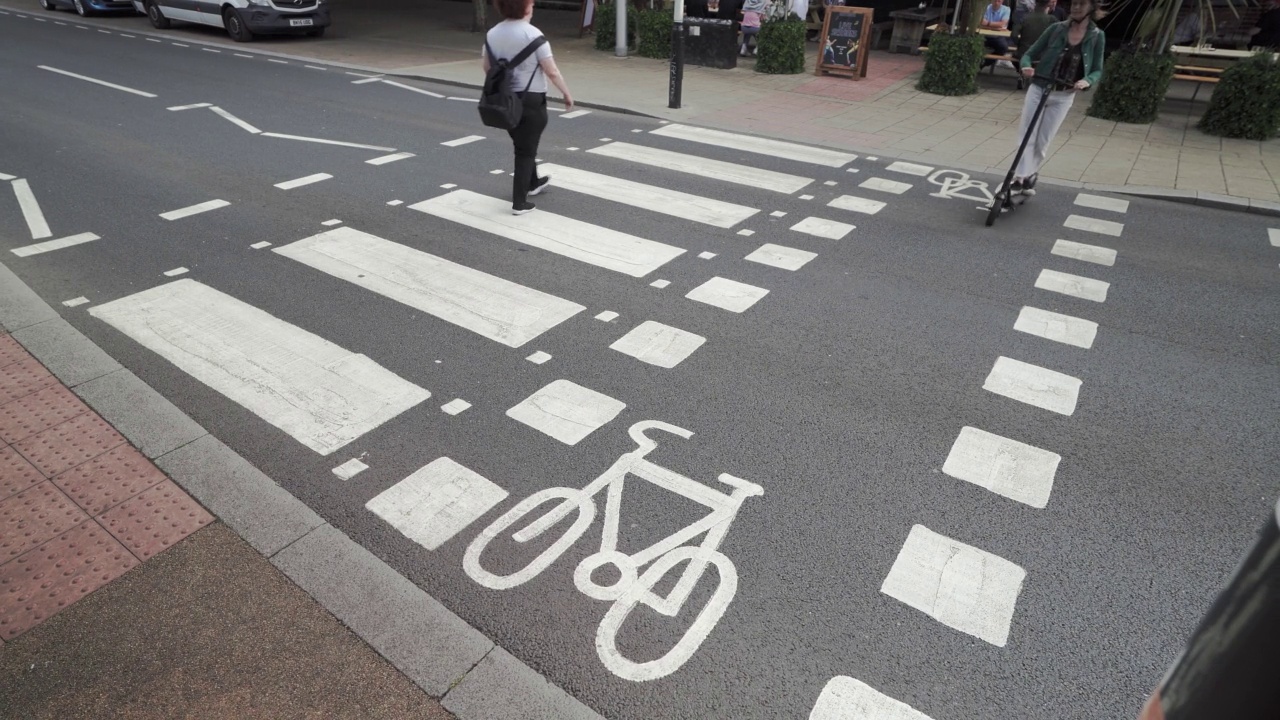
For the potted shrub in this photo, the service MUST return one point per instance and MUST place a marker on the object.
(653, 33)
(780, 43)
(1246, 103)
(1133, 85)
(953, 59)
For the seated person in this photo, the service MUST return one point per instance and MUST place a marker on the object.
(996, 18)
(752, 12)
(1026, 34)
(1188, 31)
(1267, 32)
(1058, 11)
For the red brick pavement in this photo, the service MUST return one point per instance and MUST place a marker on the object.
(79, 506)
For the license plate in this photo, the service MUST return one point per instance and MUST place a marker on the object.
(301, 23)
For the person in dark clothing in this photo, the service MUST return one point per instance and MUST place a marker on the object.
(1058, 10)
(528, 80)
(1031, 28)
(1267, 32)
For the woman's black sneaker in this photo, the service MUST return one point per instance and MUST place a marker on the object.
(1029, 185)
(540, 185)
(522, 209)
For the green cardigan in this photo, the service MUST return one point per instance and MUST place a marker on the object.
(1044, 53)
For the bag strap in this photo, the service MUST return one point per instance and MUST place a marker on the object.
(527, 51)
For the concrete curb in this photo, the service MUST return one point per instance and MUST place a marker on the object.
(474, 678)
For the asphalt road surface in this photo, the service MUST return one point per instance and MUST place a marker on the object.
(1108, 437)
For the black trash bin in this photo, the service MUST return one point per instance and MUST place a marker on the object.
(711, 43)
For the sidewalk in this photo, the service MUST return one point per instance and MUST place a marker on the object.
(115, 603)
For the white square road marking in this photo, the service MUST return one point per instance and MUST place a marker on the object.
(657, 344)
(777, 213)
(1098, 202)
(818, 227)
(436, 502)
(383, 160)
(780, 256)
(350, 469)
(1073, 285)
(462, 141)
(1274, 235)
(746, 233)
(1005, 467)
(846, 698)
(453, 407)
(1087, 253)
(260, 245)
(607, 316)
(1102, 227)
(291, 184)
(539, 357)
(958, 585)
(1033, 385)
(910, 168)
(857, 204)
(883, 185)
(75, 302)
(706, 255)
(566, 411)
(1057, 327)
(727, 294)
(175, 272)
(660, 283)
(331, 223)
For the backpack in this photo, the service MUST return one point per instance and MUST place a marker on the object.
(500, 107)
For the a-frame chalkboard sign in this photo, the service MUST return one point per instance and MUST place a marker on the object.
(845, 39)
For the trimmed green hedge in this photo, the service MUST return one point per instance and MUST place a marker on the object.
(654, 31)
(952, 64)
(1133, 86)
(1246, 103)
(780, 46)
(605, 23)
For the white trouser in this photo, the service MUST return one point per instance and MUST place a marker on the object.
(1055, 111)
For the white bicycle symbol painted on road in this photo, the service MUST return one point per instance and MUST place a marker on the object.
(957, 184)
(632, 588)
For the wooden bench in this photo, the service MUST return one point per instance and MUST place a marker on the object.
(1207, 75)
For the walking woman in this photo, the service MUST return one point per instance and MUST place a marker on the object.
(529, 81)
(1066, 58)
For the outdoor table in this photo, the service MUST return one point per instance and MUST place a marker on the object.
(908, 29)
(981, 31)
(1211, 52)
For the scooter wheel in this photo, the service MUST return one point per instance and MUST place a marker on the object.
(997, 204)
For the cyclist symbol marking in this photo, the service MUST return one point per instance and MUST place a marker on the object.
(632, 588)
(957, 184)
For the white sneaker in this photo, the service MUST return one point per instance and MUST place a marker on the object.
(1005, 64)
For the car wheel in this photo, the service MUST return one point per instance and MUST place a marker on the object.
(318, 32)
(48, 5)
(235, 26)
(157, 18)
(81, 10)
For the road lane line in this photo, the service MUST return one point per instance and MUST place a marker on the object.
(411, 88)
(242, 55)
(278, 62)
(96, 81)
(363, 75)
(697, 208)
(154, 40)
(780, 256)
(1273, 234)
(1098, 202)
(131, 37)
(592, 244)
(1093, 225)
(322, 141)
(318, 393)
(237, 121)
(176, 272)
(350, 469)
(757, 145)
(76, 302)
(575, 114)
(1057, 327)
(704, 167)
(210, 50)
(846, 698)
(462, 99)
(828, 229)
(1006, 467)
(455, 406)
(959, 585)
(884, 185)
(438, 501)
(1033, 385)
(857, 204)
(566, 411)
(331, 223)
(1073, 285)
(907, 168)
(179, 108)
(539, 357)
(658, 344)
(6, 178)
(260, 245)
(727, 294)
(383, 160)
(314, 67)
(179, 45)
(51, 245)
(366, 80)
(194, 209)
(291, 184)
(487, 305)
(462, 141)
(31, 209)
(1087, 253)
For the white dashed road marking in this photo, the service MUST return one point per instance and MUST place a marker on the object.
(455, 406)
(1033, 385)
(857, 204)
(657, 344)
(566, 411)
(1057, 327)
(780, 256)
(1087, 253)
(727, 294)
(350, 469)
(958, 585)
(1093, 225)
(846, 698)
(1073, 285)
(758, 145)
(818, 227)
(910, 168)
(51, 245)
(383, 160)
(308, 180)
(883, 185)
(95, 81)
(436, 502)
(697, 208)
(194, 209)
(704, 167)
(1098, 202)
(462, 141)
(1006, 467)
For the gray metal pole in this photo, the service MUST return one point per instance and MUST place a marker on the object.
(620, 44)
(675, 86)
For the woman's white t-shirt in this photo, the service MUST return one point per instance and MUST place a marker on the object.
(507, 39)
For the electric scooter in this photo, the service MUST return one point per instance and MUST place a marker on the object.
(1004, 197)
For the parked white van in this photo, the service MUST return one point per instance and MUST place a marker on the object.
(242, 19)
